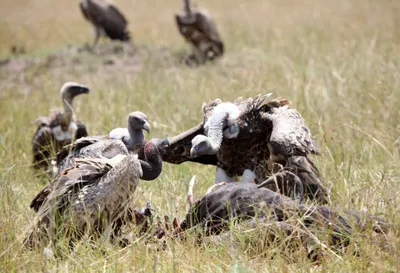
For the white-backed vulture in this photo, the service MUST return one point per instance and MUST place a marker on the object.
(239, 203)
(116, 142)
(88, 197)
(199, 29)
(59, 129)
(265, 132)
(106, 19)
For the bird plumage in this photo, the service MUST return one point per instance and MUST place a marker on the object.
(119, 141)
(198, 27)
(259, 120)
(58, 129)
(91, 195)
(106, 19)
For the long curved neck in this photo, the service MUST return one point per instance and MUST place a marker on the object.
(152, 165)
(135, 137)
(67, 103)
(215, 130)
(187, 7)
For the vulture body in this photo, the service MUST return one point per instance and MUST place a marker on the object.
(106, 19)
(59, 129)
(199, 29)
(263, 135)
(246, 202)
(117, 142)
(88, 197)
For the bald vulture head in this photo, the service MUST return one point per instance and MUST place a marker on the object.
(137, 121)
(221, 123)
(70, 90)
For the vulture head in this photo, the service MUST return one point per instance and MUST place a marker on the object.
(137, 121)
(72, 89)
(202, 145)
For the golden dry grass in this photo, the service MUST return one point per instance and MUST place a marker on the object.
(337, 61)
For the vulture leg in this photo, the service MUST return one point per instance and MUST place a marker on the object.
(96, 33)
(286, 183)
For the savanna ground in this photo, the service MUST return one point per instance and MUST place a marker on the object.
(337, 61)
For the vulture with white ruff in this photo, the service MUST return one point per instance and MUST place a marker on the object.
(117, 141)
(59, 129)
(198, 28)
(90, 196)
(265, 136)
(106, 19)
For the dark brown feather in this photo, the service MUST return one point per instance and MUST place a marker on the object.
(200, 30)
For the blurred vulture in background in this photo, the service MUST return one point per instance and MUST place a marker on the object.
(199, 29)
(106, 19)
(59, 129)
(88, 197)
(257, 134)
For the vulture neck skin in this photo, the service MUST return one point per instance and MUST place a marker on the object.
(67, 102)
(215, 130)
(135, 137)
(152, 165)
(187, 7)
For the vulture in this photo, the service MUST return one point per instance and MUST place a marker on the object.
(106, 19)
(258, 134)
(214, 213)
(199, 29)
(59, 129)
(117, 141)
(90, 196)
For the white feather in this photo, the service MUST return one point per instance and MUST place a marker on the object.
(118, 133)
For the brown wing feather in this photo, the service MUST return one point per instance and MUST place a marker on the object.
(290, 135)
(84, 172)
(42, 146)
(206, 25)
(108, 17)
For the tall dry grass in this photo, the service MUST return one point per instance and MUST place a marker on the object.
(337, 61)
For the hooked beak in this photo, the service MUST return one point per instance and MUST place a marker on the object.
(146, 127)
(84, 89)
(193, 152)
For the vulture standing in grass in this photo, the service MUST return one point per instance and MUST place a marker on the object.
(88, 197)
(118, 140)
(198, 28)
(106, 19)
(258, 134)
(59, 129)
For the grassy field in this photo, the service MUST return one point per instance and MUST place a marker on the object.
(337, 61)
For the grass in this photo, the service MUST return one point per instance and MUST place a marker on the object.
(337, 61)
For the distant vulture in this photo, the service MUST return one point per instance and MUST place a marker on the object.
(257, 134)
(106, 19)
(117, 141)
(88, 197)
(59, 129)
(199, 29)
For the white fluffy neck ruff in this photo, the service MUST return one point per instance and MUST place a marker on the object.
(224, 114)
